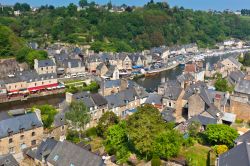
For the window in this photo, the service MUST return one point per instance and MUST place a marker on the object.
(10, 140)
(21, 130)
(42, 68)
(22, 137)
(169, 104)
(33, 142)
(62, 127)
(11, 150)
(55, 157)
(33, 133)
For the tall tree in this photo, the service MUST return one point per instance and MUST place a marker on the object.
(144, 127)
(83, 3)
(78, 115)
(108, 119)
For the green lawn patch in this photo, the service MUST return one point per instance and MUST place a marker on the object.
(196, 155)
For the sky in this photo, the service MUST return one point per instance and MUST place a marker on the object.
(190, 4)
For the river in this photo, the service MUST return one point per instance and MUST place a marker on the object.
(149, 83)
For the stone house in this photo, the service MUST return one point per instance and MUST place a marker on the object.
(8, 160)
(73, 66)
(123, 100)
(113, 73)
(228, 65)
(45, 66)
(172, 94)
(101, 69)
(138, 60)
(240, 100)
(92, 62)
(96, 104)
(191, 48)
(20, 132)
(195, 70)
(108, 87)
(124, 62)
(162, 52)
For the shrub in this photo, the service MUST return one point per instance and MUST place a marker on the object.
(188, 142)
(91, 132)
(156, 161)
(220, 149)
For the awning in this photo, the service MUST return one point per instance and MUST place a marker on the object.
(37, 88)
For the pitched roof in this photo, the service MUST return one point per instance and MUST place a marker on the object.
(190, 68)
(235, 76)
(45, 148)
(239, 155)
(8, 160)
(73, 63)
(202, 119)
(68, 154)
(25, 122)
(234, 61)
(154, 98)
(46, 63)
(243, 87)
(98, 99)
(172, 92)
(112, 83)
(185, 77)
(244, 137)
(100, 66)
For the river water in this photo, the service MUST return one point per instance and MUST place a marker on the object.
(149, 83)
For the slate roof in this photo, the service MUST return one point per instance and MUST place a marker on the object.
(243, 138)
(233, 60)
(29, 76)
(112, 83)
(185, 77)
(114, 100)
(68, 154)
(110, 71)
(8, 160)
(25, 122)
(45, 148)
(168, 115)
(73, 62)
(202, 119)
(243, 87)
(100, 66)
(235, 76)
(46, 63)
(192, 88)
(154, 98)
(90, 100)
(98, 99)
(239, 155)
(172, 92)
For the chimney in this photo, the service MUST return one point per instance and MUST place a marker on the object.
(217, 101)
(69, 65)
(69, 97)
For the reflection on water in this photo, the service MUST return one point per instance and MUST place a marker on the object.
(151, 83)
(52, 100)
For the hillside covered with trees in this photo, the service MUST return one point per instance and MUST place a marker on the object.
(135, 29)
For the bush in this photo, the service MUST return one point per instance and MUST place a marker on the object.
(239, 121)
(156, 161)
(188, 142)
(91, 132)
(220, 149)
(73, 136)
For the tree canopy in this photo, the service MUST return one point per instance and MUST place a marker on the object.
(220, 134)
(154, 24)
(78, 115)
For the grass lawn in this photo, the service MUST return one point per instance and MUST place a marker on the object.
(196, 155)
(247, 18)
(96, 143)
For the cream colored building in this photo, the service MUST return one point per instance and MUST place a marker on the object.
(45, 66)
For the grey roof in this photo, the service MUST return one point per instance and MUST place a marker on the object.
(25, 122)
(75, 63)
(172, 92)
(235, 76)
(110, 71)
(46, 63)
(192, 88)
(239, 155)
(98, 99)
(45, 148)
(185, 77)
(168, 114)
(154, 98)
(90, 100)
(202, 119)
(233, 60)
(114, 100)
(243, 138)
(29, 76)
(100, 66)
(243, 87)
(8, 160)
(112, 83)
(68, 154)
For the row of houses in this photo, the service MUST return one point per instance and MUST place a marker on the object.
(22, 139)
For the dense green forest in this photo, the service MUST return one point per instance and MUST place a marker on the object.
(154, 24)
